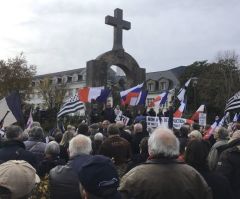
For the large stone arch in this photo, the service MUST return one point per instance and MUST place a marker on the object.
(97, 69)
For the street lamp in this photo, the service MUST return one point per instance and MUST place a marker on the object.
(194, 84)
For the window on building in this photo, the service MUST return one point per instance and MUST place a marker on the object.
(163, 85)
(150, 86)
(33, 84)
(69, 79)
(59, 80)
(69, 92)
(80, 77)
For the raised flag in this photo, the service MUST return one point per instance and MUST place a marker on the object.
(182, 91)
(195, 116)
(180, 110)
(87, 94)
(130, 96)
(235, 118)
(224, 119)
(72, 105)
(103, 96)
(141, 100)
(30, 120)
(210, 130)
(233, 103)
(159, 100)
(10, 110)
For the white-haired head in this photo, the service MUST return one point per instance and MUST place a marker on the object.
(163, 142)
(80, 144)
(137, 128)
(98, 136)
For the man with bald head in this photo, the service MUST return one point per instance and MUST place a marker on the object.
(163, 176)
(137, 136)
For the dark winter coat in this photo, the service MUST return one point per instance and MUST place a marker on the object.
(47, 164)
(109, 114)
(64, 152)
(137, 160)
(15, 150)
(219, 184)
(229, 165)
(126, 135)
(63, 180)
(64, 183)
(95, 116)
(136, 139)
(37, 148)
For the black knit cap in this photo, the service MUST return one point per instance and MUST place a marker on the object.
(99, 177)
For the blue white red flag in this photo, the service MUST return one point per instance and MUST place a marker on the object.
(159, 100)
(131, 95)
(87, 94)
(141, 100)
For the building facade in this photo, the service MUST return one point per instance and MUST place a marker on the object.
(156, 83)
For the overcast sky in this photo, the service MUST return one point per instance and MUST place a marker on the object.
(58, 35)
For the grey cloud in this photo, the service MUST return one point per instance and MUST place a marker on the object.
(164, 34)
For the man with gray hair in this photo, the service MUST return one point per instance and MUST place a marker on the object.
(163, 176)
(63, 180)
(51, 159)
(221, 135)
(35, 143)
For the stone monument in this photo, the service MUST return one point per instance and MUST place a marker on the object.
(97, 68)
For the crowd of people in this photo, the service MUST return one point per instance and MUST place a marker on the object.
(108, 160)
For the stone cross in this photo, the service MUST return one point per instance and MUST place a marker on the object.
(119, 24)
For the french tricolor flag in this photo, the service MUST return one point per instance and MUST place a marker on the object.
(160, 99)
(180, 110)
(131, 95)
(195, 116)
(87, 94)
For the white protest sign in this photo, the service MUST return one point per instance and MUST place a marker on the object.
(152, 121)
(123, 118)
(202, 119)
(177, 122)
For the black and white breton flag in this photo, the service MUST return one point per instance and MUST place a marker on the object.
(233, 102)
(72, 105)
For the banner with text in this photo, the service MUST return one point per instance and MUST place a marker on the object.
(154, 122)
(202, 119)
(123, 118)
